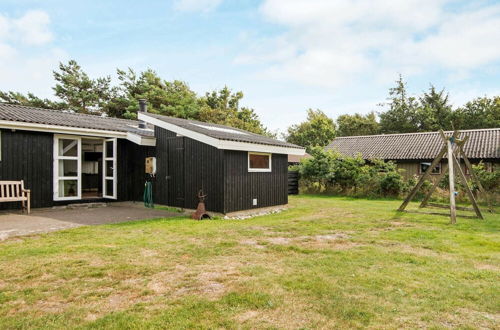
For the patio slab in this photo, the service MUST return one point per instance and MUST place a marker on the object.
(44, 220)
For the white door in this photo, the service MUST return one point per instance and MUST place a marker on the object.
(67, 168)
(109, 169)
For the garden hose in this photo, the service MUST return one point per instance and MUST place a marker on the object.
(148, 194)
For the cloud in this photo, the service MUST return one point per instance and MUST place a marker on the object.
(336, 42)
(196, 5)
(33, 27)
(27, 57)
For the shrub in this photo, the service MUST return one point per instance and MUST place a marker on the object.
(489, 179)
(330, 172)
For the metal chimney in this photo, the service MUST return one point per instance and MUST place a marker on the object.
(143, 107)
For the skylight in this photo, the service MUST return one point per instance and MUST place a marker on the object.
(220, 129)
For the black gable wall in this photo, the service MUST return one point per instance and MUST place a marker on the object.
(28, 156)
(204, 169)
(241, 186)
(184, 166)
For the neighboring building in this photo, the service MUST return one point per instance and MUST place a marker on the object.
(65, 157)
(414, 152)
(295, 159)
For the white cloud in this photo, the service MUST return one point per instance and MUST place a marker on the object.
(196, 5)
(334, 42)
(26, 55)
(33, 27)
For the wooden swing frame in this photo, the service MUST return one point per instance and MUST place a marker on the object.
(453, 148)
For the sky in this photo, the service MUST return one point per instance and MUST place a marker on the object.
(340, 56)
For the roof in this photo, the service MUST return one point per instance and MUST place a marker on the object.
(67, 118)
(214, 131)
(297, 158)
(482, 144)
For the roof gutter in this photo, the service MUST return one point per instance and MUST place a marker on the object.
(16, 125)
(221, 144)
(137, 139)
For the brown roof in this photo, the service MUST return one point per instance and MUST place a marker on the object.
(297, 158)
(67, 118)
(482, 144)
(222, 132)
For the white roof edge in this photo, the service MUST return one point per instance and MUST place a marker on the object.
(141, 140)
(60, 129)
(221, 144)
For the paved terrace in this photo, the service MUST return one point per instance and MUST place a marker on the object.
(14, 223)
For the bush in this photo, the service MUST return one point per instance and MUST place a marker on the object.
(489, 179)
(330, 172)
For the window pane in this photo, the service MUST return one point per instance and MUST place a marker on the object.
(109, 168)
(109, 149)
(68, 147)
(259, 161)
(68, 167)
(109, 187)
(68, 188)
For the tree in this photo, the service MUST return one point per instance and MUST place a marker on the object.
(482, 112)
(222, 107)
(173, 98)
(317, 130)
(434, 112)
(401, 115)
(30, 100)
(357, 124)
(81, 93)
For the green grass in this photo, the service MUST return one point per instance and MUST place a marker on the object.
(328, 262)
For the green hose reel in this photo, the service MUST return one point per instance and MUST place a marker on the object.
(148, 194)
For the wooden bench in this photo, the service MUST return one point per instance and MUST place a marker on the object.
(13, 191)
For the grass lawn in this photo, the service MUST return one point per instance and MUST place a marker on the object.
(327, 262)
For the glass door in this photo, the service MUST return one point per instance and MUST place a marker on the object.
(109, 169)
(67, 167)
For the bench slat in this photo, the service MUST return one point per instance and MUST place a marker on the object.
(13, 199)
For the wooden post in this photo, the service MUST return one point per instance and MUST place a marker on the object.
(422, 179)
(453, 210)
(467, 188)
(433, 188)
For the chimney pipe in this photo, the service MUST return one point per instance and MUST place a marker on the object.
(143, 107)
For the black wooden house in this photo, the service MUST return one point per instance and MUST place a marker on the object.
(65, 157)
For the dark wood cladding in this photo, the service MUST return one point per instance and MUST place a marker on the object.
(184, 166)
(160, 183)
(241, 186)
(204, 168)
(293, 182)
(175, 171)
(28, 156)
(131, 175)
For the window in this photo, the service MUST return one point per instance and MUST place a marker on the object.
(424, 166)
(259, 162)
(67, 167)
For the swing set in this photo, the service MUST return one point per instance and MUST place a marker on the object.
(453, 149)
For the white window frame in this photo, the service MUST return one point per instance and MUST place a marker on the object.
(105, 158)
(260, 169)
(57, 158)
